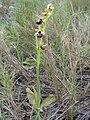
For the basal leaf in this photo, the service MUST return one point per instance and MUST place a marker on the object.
(37, 99)
(35, 94)
(30, 96)
(48, 101)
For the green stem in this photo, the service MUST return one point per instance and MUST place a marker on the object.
(38, 116)
(37, 72)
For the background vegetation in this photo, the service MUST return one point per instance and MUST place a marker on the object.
(65, 62)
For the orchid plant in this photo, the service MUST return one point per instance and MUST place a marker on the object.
(35, 95)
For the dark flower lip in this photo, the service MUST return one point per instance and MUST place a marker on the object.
(40, 21)
(40, 34)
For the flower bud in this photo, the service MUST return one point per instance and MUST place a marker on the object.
(43, 47)
(50, 7)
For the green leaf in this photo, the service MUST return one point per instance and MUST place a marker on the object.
(31, 97)
(48, 101)
(37, 99)
(35, 94)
